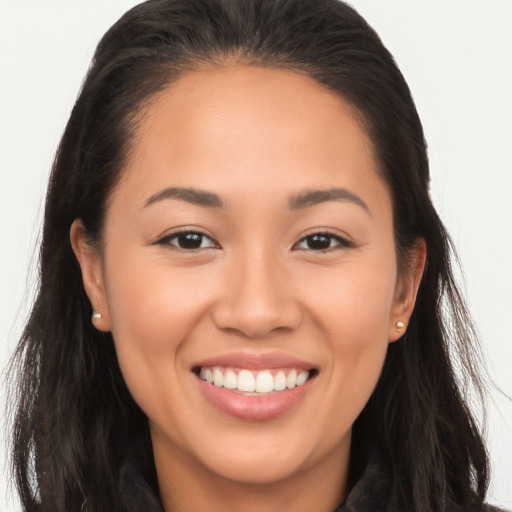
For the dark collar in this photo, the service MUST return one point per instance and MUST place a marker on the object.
(370, 493)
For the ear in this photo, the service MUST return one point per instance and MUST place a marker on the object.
(90, 261)
(406, 291)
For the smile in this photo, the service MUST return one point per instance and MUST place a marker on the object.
(254, 383)
(255, 387)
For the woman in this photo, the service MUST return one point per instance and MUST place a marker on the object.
(243, 279)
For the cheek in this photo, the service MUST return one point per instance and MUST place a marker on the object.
(354, 303)
(353, 311)
(152, 302)
(153, 308)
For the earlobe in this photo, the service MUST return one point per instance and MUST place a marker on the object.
(90, 261)
(407, 290)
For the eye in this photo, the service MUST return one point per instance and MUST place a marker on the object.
(189, 240)
(322, 242)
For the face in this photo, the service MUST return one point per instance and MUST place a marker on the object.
(248, 274)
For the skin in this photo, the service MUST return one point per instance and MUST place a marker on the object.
(255, 137)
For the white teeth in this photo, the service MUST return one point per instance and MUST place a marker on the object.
(249, 382)
(230, 380)
(218, 378)
(246, 381)
(301, 378)
(280, 381)
(207, 375)
(291, 380)
(264, 382)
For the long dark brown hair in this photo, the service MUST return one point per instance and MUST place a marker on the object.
(77, 429)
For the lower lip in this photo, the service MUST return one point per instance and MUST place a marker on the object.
(254, 408)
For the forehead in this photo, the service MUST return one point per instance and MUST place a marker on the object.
(240, 126)
(249, 101)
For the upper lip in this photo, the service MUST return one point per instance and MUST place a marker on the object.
(256, 361)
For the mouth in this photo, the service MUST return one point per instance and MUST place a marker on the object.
(254, 382)
(255, 387)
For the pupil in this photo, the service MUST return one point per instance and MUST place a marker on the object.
(190, 241)
(319, 242)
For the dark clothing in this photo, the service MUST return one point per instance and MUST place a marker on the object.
(371, 493)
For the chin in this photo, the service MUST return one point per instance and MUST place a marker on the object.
(257, 468)
(268, 457)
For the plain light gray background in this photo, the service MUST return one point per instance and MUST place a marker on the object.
(457, 58)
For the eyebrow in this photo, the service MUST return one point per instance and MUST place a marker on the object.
(190, 195)
(314, 197)
(298, 202)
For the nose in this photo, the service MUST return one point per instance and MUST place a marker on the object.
(258, 299)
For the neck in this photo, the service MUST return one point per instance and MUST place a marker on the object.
(187, 485)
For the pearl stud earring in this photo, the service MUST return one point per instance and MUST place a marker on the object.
(96, 315)
(399, 326)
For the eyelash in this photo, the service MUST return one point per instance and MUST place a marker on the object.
(341, 243)
(167, 240)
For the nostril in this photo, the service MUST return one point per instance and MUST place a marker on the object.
(256, 321)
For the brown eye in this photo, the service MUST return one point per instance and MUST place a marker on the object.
(322, 242)
(318, 242)
(189, 240)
